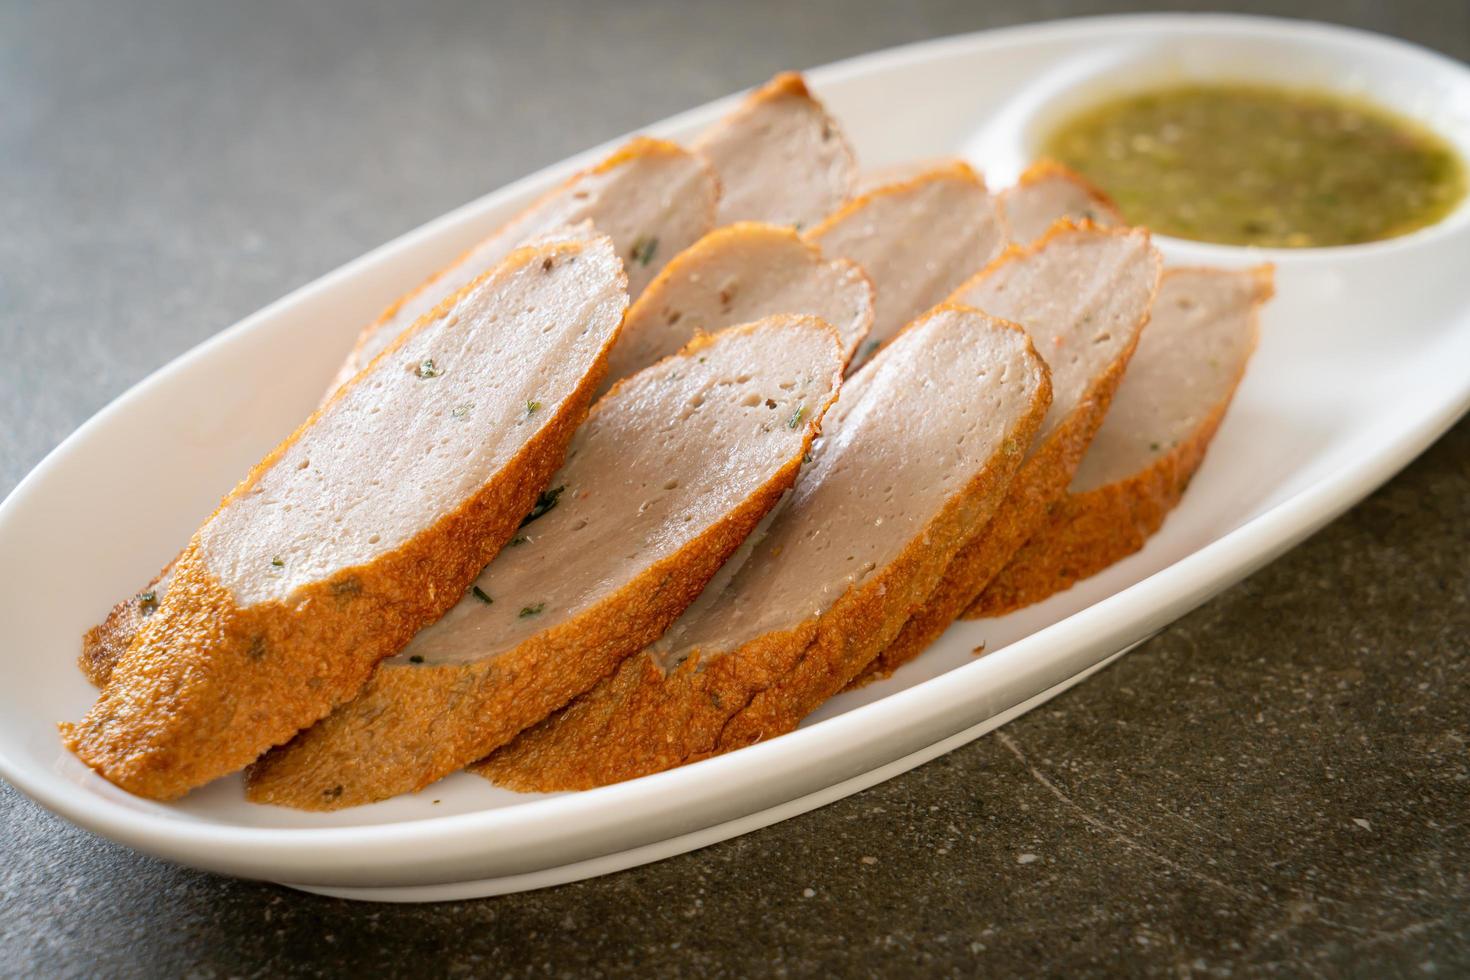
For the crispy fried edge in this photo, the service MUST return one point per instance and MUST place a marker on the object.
(640, 721)
(1089, 531)
(169, 719)
(104, 644)
(1042, 479)
(413, 725)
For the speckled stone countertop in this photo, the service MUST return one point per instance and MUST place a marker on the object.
(1280, 782)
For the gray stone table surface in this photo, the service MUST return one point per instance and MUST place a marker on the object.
(1277, 783)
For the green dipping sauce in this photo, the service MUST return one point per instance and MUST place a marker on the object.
(1256, 165)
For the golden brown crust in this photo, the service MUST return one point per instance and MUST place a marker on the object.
(104, 644)
(413, 725)
(207, 686)
(1087, 532)
(1042, 479)
(640, 721)
(786, 84)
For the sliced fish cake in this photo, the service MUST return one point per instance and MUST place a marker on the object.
(1049, 192)
(918, 449)
(736, 275)
(669, 474)
(1084, 295)
(651, 197)
(1177, 389)
(781, 157)
(366, 524)
(918, 240)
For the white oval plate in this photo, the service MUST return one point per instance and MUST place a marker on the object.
(1364, 360)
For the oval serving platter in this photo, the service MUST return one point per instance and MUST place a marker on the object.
(1362, 363)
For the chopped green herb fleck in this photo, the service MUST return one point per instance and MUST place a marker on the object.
(277, 562)
(532, 610)
(545, 502)
(796, 416)
(531, 407)
(644, 248)
(148, 599)
(482, 595)
(460, 411)
(806, 457)
(798, 226)
(518, 539)
(1153, 446)
(428, 369)
(417, 658)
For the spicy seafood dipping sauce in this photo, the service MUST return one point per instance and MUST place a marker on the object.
(1258, 165)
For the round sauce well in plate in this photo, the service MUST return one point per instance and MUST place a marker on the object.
(1242, 164)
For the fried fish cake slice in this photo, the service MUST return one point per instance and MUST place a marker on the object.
(1084, 295)
(652, 197)
(781, 157)
(918, 449)
(918, 240)
(736, 275)
(1049, 192)
(1173, 397)
(669, 474)
(366, 524)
